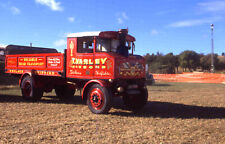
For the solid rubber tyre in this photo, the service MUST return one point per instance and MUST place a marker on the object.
(99, 99)
(29, 91)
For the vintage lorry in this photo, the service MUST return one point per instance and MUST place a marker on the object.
(101, 64)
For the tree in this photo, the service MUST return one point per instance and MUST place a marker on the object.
(169, 61)
(177, 63)
(221, 63)
(205, 62)
(150, 58)
(189, 59)
(163, 63)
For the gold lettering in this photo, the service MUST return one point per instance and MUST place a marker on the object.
(86, 61)
(97, 61)
(80, 61)
(90, 62)
(73, 61)
(103, 60)
(77, 61)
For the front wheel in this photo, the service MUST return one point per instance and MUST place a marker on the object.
(99, 99)
(136, 101)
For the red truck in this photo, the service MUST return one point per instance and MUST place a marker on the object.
(101, 64)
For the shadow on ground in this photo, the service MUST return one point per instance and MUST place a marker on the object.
(173, 110)
(152, 109)
(45, 99)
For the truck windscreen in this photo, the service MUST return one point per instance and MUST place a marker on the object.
(113, 45)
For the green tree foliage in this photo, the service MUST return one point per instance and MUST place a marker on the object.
(150, 58)
(221, 63)
(162, 64)
(190, 60)
(205, 62)
(169, 63)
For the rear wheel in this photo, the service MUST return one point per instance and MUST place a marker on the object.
(64, 92)
(99, 99)
(136, 101)
(29, 91)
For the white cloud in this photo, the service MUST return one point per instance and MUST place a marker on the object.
(124, 15)
(213, 6)
(154, 32)
(15, 10)
(121, 17)
(71, 19)
(120, 20)
(60, 43)
(189, 23)
(52, 4)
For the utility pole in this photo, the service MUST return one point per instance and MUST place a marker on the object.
(212, 50)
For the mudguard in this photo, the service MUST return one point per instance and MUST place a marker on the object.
(89, 84)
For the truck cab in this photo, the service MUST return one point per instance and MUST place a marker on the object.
(107, 57)
(103, 55)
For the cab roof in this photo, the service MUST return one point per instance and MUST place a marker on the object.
(104, 34)
(84, 34)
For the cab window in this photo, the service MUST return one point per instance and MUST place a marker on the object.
(85, 45)
(107, 45)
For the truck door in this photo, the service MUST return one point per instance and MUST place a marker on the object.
(104, 68)
(80, 58)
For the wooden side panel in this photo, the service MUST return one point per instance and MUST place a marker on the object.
(39, 64)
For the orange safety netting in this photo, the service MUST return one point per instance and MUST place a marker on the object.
(191, 77)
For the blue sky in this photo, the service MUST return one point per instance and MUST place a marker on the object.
(159, 25)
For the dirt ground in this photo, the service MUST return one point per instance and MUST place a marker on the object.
(175, 113)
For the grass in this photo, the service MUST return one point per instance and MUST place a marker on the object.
(175, 113)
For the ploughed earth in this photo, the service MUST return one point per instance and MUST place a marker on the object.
(175, 113)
